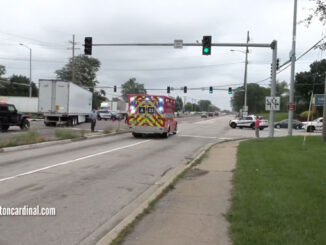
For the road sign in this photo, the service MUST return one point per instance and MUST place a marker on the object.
(272, 104)
(178, 43)
(291, 107)
(319, 100)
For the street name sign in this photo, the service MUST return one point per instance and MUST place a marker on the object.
(178, 43)
(272, 104)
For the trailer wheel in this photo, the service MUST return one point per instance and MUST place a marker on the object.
(136, 135)
(4, 128)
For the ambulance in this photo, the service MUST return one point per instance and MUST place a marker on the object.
(151, 114)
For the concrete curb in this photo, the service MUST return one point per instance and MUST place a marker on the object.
(143, 201)
(55, 142)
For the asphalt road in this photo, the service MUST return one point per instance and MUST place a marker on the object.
(101, 125)
(89, 182)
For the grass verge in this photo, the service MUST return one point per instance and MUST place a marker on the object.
(30, 137)
(62, 134)
(279, 194)
(279, 116)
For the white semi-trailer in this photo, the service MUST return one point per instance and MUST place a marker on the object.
(63, 103)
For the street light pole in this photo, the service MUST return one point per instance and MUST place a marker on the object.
(30, 68)
(245, 75)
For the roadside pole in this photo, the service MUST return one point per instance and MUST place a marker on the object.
(324, 113)
(273, 89)
(245, 74)
(293, 60)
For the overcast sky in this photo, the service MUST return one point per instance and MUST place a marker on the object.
(47, 26)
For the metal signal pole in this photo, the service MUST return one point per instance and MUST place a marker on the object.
(293, 59)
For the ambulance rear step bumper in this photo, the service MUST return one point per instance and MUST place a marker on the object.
(147, 129)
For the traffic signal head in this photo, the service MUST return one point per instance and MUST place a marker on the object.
(88, 46)
(230, 90)
(271, 70)
(114, 88)
(211, 90)
(185, 89)
(168, 90)
(207, 45)
(277, 64)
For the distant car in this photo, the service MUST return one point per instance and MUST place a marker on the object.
(210, 114)
(284, 124)
(314, 125)
(249, 122)
(216, 113)
(104, 114)
(204, 115)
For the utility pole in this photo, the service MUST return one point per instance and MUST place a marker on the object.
(245, 74)
(73, 43)
(273, 88)
(30, 68)
(324, 113)
(293, 59)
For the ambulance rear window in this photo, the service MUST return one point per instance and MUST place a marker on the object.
(141, 109)
(150, 110)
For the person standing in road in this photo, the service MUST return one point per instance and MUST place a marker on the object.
(257, 127)
(93, 120)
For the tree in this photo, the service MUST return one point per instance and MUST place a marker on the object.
(115, 99)
(132, 87)
(204, 105)
(308, 82)
(319, 12)
(98, 98)
(2, 70)
(178, 104)
(255, 98)
(18, 86)
(189, 107)
(85, 71)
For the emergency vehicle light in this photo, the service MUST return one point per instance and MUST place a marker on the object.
(132, 98)
(160, 109)
(132, 110)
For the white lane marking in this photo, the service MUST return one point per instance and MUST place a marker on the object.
(196, 136)
(71, 161)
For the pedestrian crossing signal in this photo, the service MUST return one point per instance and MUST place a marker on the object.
(210, 90)
(230, 90)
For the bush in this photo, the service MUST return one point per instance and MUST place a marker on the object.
(63, 134)
(30, 137)
(304, 115)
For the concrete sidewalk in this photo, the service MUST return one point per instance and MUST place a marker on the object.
(193, 213)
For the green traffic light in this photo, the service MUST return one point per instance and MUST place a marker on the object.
(206, 50)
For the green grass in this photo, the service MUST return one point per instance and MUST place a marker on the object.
(30, 137)
(279, 116)
(279, 194)
(61, 134)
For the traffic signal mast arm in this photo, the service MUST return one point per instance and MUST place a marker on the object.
(257, 45)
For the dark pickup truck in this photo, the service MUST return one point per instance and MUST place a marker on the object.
(10, 117)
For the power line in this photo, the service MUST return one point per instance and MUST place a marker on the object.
(171, 68)
(306, 52)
